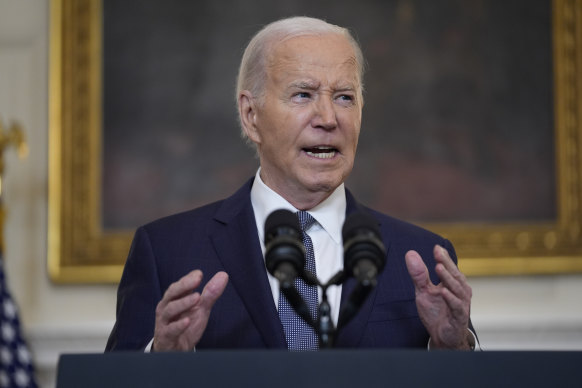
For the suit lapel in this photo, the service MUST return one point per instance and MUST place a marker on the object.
(351, 334)
(236, 243)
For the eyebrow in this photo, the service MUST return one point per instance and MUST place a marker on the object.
(314, 85)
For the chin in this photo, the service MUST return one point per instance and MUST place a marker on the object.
(326, 185)
(323, 180)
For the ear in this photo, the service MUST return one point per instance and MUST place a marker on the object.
(247, 110)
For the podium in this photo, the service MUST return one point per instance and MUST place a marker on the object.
(334, 368)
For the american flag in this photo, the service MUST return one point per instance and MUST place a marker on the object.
(16, 369)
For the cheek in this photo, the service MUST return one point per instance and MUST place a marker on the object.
(355, 133)
(289, 127)
(357, 137)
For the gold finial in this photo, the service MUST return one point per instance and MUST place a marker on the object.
(13, 136)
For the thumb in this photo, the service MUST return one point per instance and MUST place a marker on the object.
(417, 271)
(214, 289)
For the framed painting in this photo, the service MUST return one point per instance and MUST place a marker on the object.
(472, 123)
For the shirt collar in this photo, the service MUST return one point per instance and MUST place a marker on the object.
(330, 213)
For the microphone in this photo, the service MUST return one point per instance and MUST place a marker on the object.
(364, 251)
(284, 249)
(364, 259)
(285, 257)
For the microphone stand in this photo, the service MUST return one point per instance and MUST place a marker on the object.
(324, 326)
(364, 257)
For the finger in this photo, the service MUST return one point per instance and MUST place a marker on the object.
(176, 308)
(459, 308)
(449, 282)
(176, 328)
(442, 256)
(182, 287)
(418, 271)
(450, 275)
(214, 289)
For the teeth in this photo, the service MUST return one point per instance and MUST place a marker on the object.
(322, 155)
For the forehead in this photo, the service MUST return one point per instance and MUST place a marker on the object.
(329, 55)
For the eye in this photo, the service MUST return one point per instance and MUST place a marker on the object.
(345, 99)
(302, 95)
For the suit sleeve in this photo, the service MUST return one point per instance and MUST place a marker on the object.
(137, 297)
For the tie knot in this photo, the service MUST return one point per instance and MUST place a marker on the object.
(305, 220)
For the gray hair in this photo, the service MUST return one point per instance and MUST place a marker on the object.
(252, 70)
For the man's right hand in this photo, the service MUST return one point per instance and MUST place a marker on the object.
(182, 315)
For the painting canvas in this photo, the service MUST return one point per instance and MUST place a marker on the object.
(457, 123)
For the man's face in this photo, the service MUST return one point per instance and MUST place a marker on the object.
(307, 123)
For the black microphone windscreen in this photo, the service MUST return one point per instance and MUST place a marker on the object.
(281, 218)
(283, 244)
(363, 246)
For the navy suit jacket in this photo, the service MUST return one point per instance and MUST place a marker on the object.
(223, 236)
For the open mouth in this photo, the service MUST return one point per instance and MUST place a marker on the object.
(321, 152)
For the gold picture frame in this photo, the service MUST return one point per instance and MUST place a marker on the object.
(79, 250)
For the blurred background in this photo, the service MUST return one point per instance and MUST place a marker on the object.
(500, 143)
(460, 90)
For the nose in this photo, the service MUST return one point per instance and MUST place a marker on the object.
(325, 115)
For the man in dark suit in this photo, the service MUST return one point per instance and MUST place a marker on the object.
(300, 102)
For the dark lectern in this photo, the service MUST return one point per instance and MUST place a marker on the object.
(336, 368)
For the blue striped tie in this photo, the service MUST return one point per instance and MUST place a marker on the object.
(300, 336)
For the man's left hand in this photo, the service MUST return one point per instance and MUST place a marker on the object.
(444, 309)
